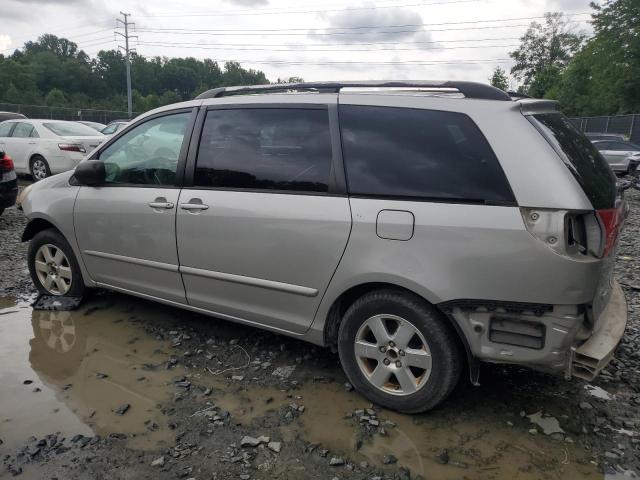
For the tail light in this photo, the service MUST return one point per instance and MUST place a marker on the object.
(6, 164)
(575, 234)
(71, 147)
(610, 222)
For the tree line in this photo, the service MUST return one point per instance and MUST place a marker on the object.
(597, 75)
(54, 71)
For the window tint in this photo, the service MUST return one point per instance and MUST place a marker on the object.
(5, 128)
(148, 154)
(23, 130)
(400, 152)
(584, 161)
(266, 149)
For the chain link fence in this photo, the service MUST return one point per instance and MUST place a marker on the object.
(64, 113)
(627, 125)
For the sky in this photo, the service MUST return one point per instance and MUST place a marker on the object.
(328, 40)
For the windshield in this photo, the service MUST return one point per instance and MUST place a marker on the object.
(581, 157)
(70, 129)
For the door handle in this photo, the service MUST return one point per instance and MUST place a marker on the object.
(163, 205)
(193, 206)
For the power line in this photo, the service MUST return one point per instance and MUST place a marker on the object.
(358, 27)
(283, 12)
(501, 39)
(318, 34)
(358, 62)
(217, 47)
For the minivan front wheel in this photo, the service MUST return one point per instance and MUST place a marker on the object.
(53, 266)
(398, 351)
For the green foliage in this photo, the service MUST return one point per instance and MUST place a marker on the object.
(594, 77)
(499, 79)
(53, 71)
(545, 49)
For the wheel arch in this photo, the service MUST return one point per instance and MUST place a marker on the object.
(38, 225)
(348, 297)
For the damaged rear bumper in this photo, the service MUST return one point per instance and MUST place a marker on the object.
(587, 360)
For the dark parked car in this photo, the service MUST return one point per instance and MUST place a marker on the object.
(10, 116)
(8, 182)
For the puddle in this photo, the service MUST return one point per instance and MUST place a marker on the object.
(477, 447)
(88, 363)
(69, 372)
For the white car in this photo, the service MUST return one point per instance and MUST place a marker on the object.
(45, 147)
(113, 128)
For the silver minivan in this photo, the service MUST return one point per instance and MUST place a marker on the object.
(420, 228)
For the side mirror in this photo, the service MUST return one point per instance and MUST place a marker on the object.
(90, 173)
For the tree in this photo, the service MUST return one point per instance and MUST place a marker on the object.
(55, 98)
(545, 50)
(499, 79)
(602, 78)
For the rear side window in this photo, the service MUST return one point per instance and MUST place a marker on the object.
(5, 128)
(265, 149)
(424, 154)
(587, 165)
(23, 130)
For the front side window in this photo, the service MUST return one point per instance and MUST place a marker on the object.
(23, 130)
(422, 154)
(148, 154)
(286, 149)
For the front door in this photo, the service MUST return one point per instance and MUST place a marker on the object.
(261, 231)
(126, 228)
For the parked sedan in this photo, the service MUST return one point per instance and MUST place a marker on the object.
(114, 127)
(623, 157)
(95, 125)
(45, 147)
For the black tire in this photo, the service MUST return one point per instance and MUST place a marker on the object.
(445, 348)
(47, 170)
(55, 238)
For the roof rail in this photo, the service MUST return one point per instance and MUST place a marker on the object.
(468, 89)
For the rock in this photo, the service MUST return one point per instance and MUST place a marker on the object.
(158, 462)
(443, 457)
(390, 459)
(122, 409)
(585, 406)
(237, 378)
(274, 446)
(284, 372)
(101, 375)
(336, 461)
(248, 441)
(348, 387)
(549, 425)
(245, 476)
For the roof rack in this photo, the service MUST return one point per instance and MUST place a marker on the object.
(468, 89)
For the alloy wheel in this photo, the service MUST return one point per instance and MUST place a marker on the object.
(53, 269)
(39, 169)
(393, 354)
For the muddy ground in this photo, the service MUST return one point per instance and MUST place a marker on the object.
(127, 389)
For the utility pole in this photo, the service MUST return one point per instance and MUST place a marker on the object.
(126, 23)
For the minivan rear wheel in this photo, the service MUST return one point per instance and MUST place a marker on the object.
(398, 351)
(53, 266)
